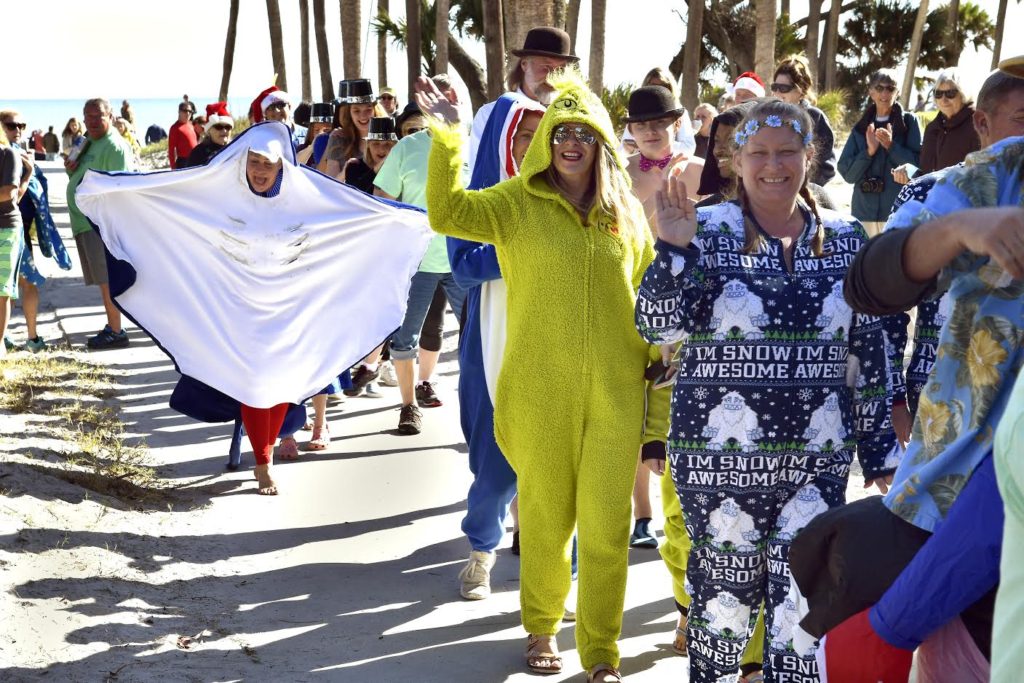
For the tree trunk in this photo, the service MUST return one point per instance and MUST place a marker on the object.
(572, 22)
(559, 13)
(229, 50)
(276, 44)
(952, 44)
(441, 7)
(831, 46)
(691, 55)
(764, 40)
(598, 12)
(813, 31)
(323, 56)
(997, 46)
(470, 72)
(307, 85)
(915, 50)
(412, 42)
(494, 49)
(352, 38)
(522, 15)
(383, 7)
(784, 9)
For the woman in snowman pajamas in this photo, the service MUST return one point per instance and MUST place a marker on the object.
(778, 383)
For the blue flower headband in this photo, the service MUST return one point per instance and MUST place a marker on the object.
(742, 137)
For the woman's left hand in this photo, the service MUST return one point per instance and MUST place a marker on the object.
(676, 214)
(883, 483)
(884, 136)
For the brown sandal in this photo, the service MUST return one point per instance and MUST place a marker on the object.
(607, 673)
(539, 656)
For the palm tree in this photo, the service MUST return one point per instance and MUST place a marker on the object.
(229, 50)
(813, 31)
(494, 46)
(599, 10)
(764, 37)
(412, 45)
(1000, 25)
(915, 50)
(952, 18)
(351, 37)
(323, 56)
(572, 22)
(522, 15)
(691, 54)
(441, 7)
(276, 44)
(307, 86)
(383, 8)
(830, 47)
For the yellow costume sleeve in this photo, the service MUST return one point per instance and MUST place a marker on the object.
(487, 215)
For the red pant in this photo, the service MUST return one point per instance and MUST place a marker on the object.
(263, 425)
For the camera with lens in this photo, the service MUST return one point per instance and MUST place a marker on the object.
(872, 185)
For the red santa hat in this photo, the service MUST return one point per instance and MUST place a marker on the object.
(218, 113)
(256, 108)
(748, 80)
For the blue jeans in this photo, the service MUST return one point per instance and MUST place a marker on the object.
(421, 292)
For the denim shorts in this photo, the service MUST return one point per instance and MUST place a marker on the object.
(404, 342)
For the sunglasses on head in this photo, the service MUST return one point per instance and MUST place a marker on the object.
(782, 88)
(885, 88)
(949, 94)
(581, 133)
(11, 125)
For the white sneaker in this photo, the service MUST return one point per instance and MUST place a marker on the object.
(387, 375)
(476, 575)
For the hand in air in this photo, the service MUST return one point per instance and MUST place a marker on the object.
(433, 102)
(996, 232)
(676, 214)
(871, 139)
(884, 135)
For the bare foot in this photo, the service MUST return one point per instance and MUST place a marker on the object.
(679, 641)
(267, 487)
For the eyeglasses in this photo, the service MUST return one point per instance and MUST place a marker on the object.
(222, 127)
(581, 133)
(11, 125)
(947, 94)
(782, 88)
(387, 97)
(412, 130)
(885, 88)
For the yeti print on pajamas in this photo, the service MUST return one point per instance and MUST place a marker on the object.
(826, 425)
(835, 313)
(730, 524)
(732, 419)
(799, 511)
(725, 613)
(738, 307)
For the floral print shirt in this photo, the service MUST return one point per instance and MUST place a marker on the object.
(979, 349)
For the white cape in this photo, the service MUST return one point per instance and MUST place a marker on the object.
(265, 299)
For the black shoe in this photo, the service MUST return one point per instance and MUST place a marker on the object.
(108, 339)
(426, 397)
(515, 542)
(642, 536)
(409, 421)
(363, 376)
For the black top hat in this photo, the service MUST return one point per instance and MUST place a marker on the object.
(382, 128)
(342, 97)
(652, 102)
(547, 41)
(360, 92)
(322, 112)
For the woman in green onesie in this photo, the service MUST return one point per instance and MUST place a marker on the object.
(572, 243)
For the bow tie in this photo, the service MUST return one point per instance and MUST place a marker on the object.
(647, 164)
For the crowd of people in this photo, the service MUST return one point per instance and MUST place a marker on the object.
(684, 290)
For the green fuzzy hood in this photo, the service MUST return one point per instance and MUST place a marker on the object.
(574, 103)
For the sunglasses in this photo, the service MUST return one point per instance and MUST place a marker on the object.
(387, 97)
(947, 94)
(582, 135)
(11, 125)
(276, 105)
(222, 127)
(782, 88)
(885, 88)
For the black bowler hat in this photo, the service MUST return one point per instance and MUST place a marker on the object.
(652, 102)
(382, 128)
(547, 41)
(342, 97)
(360, 92)
(322, 112)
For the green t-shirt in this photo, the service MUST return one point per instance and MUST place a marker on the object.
(404, 176)
(109, 153)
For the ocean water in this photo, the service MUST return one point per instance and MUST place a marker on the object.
(163, 111)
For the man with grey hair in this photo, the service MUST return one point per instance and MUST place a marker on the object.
(102, 150)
